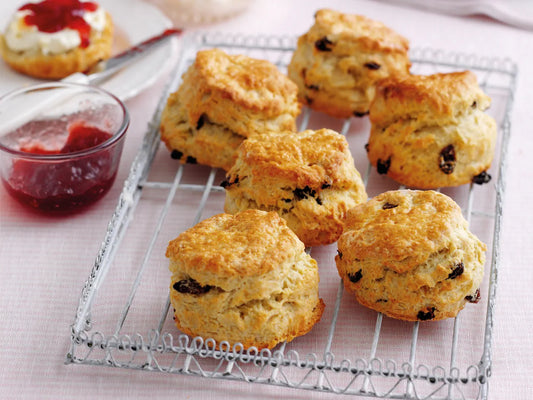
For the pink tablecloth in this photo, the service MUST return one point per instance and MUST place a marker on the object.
(45, 261)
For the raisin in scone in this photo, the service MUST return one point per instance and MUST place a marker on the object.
(222, 100)
(80, 35)
(243, 278)
(339, 60)
(431, 131)
(410, 255)
(308, 178)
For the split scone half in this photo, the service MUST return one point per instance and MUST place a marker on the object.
(64, 50)
(243, 278)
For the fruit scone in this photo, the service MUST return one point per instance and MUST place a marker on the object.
(308, 178)
(410, 255)
(222, 100)
(243, 278)
(430, 131)
(52, 39)
(337, 63)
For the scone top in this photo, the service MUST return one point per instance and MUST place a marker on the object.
(251, 82)
(400, 229)
(441, 96)
(313, 159)
(228, 86)
(347, 29)
(225, 248)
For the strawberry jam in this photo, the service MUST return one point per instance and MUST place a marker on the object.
(59, 184)
(55, 15)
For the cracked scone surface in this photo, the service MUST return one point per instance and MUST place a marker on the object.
(339, 60)
(410, 255)
(57, 66)
(222, 100)
(432, 131)
(243, 278)
(308, 178)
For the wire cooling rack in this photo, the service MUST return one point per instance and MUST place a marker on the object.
(124, 318)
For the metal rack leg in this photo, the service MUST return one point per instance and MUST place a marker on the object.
(373, 349)
(327, 349)
(409, 389)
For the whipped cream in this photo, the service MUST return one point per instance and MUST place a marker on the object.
(21, 37)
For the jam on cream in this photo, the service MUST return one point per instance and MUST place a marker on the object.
(54, 26)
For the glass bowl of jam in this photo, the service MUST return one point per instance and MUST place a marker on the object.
(60, 145)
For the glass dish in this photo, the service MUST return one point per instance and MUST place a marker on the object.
(60, 145)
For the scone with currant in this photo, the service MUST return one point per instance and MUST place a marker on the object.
(410, 255)
(222, 100)
(338, 62)
(308, 178)
(243, 278)
(431, 131)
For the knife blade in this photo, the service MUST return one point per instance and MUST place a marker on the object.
(105, 68)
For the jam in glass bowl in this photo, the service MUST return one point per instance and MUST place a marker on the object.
(60, 145)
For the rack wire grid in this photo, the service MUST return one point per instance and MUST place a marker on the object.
(352, 350)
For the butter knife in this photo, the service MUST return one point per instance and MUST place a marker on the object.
(105, 68)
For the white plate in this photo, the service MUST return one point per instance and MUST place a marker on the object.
(134, 22)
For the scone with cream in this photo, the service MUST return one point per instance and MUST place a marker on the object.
(337, 63)
(222, 100)
(53, 39)
(243, 278)
(410, 255)
(432, 131)
(308, 178)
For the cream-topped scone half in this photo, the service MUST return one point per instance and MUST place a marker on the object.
(79, 36)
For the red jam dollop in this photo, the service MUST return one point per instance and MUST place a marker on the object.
(64, 185)
(55, 15)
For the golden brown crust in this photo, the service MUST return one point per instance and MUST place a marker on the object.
(348, 28)
(308, 178)
(339, 60)
(242, 247)
(431, 131)
(57, 66)
(254, 84)
(410, 255)
(224, 99)
(243, 278)
(404, 235)
(428, 97)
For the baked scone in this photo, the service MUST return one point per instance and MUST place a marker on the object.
(243, 278)
(410, 255)
(337, 63)
(80, 36)
(222, 100)
(308, 178)
(431, 131)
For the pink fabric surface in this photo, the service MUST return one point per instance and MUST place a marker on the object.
(45, 261)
